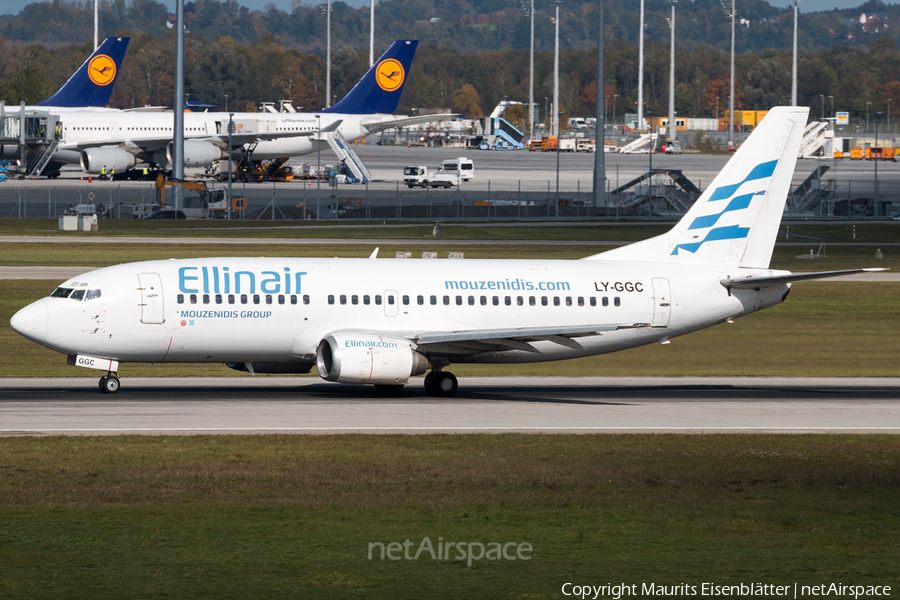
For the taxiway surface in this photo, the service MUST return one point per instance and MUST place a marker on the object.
(487, 405)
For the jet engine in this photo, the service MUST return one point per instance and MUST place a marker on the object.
(94, 159)
(368, 358)
(197, 153)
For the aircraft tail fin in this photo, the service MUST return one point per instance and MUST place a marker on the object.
(380, 88)
(735, 221)
(92, 84)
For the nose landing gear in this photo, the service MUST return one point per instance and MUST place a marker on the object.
(109, 384)
(442, 384)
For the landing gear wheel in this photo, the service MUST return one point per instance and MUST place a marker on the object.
(441, 383)
(109, 384)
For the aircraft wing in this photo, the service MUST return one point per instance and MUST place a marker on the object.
(376, 126)
(758, 282)
(483, 340)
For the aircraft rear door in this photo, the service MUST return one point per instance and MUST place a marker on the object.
(150, 286)
(662, 303)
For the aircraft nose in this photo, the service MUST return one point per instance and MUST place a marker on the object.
(32, 321)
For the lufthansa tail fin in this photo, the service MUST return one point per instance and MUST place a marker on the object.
(378, 92)
(92, 83)
(736, 220)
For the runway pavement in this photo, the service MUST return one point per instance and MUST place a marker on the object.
(305, 405)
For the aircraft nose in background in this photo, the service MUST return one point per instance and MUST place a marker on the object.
(32, 321)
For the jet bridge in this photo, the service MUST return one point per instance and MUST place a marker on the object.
(29, 136)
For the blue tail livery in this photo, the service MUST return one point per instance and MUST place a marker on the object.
(378, 92)
(92, 83)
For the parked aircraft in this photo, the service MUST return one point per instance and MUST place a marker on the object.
(122, 140)
(383, 321)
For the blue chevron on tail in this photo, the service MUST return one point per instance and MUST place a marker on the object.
(378, 92)
(92, 84)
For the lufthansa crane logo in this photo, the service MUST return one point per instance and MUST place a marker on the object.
(389, 75)
(102, 70)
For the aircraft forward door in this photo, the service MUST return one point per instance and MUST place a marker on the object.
(662, 303)
(150, 286)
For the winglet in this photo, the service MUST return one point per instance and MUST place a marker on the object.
(374, 254)
(378, 92)
(92, 84)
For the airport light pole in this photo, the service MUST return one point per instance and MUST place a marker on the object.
(327, 53)
(640, 96)
(672, 129)
(554, 126)
(230, 131)
(794, 68)
(731, 90)
(867, 116)
(529, 10)
(372, 35)
(96, 24)
(614, 107)
(832, 106)
(600, 137)
(889, 112)
(318, 163)
(822, 96)
(178, 107)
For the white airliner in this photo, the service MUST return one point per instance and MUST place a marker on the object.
(121, 140)
(383, 321)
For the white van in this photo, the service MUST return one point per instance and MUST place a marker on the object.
(462, 166)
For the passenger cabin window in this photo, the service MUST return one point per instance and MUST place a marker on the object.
(378, 300)
(180, 298)
(390, 300)
(405, 300)
(330, 298)
(420, 300)
(230, 298)
(367, 300)
(593, 301)
(218, 298)
(605, 301)
(616, 301)
(205, 298)
(243, 298)
(305, 299)
(343, 299)
(433, 300)
(193, 298)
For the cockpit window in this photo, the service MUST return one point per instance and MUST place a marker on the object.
(91, 294)
(77, 295)
(61, 292)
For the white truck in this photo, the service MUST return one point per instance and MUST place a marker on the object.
(462, 166)
(419, 176)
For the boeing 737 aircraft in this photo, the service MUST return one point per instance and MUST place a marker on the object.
(383, 321)
(121, 140)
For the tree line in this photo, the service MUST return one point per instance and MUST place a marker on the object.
(467, 25)
(857, 80)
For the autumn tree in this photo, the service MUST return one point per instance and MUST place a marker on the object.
(467, 102)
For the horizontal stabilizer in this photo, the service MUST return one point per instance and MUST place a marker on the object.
(758, 282)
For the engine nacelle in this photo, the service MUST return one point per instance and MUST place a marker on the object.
(94, 159)
(368, 358)
(197, 153)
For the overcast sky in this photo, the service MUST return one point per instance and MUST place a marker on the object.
(14, 6)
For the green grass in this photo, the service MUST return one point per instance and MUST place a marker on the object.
(292, 517)
(591, 230)
(823, 329)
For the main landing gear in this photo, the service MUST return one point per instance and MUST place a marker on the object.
(441, 383)
(109, 383)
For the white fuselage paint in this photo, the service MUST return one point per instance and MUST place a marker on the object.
(123, 324)
(134, 130)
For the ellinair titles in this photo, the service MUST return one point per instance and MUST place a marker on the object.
(385, 321)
